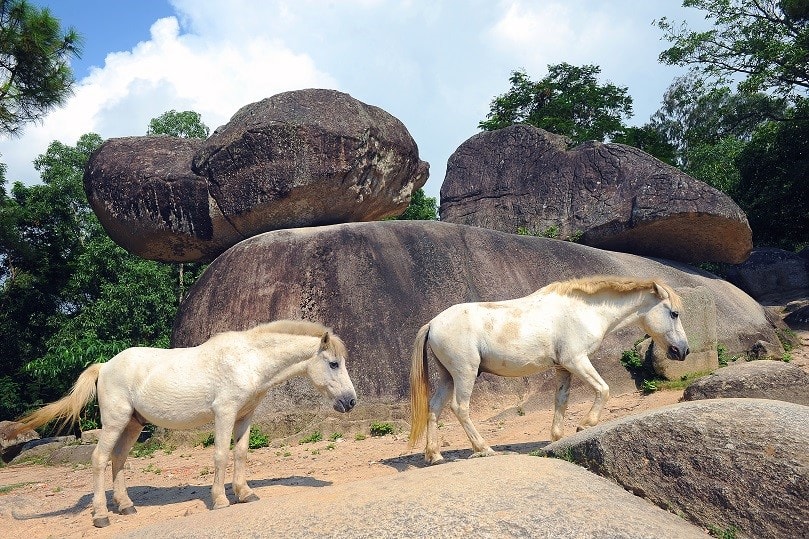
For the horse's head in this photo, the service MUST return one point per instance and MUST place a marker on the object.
(662, 322)
(327, 370)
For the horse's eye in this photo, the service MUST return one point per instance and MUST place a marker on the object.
(674, 314)
(334, 364)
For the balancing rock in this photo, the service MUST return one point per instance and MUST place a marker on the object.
(302, 158)
(525, 179)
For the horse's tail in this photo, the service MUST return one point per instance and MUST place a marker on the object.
(419, 386)
(68, 408)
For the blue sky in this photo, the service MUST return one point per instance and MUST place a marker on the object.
(435, 65)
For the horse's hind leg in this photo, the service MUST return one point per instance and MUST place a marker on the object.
(107, 441)
(460, 407)
(560, 403)
(119, 455)
(241, 434)
(443, 390)
(582, 368)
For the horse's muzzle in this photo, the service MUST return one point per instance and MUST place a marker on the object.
(344, 404)
(677, 353)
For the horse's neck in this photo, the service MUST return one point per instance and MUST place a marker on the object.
(284, 357)
(617, 310)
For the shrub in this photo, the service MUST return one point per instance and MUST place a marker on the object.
(381, 429)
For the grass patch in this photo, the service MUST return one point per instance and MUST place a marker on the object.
(257, 438)
(312, 438)
(5, 489)
(381, 429)
(148, 448)
(723, 533)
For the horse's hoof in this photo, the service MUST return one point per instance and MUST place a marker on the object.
(101, 522)
(221, 505)
(251, 498)
(479, 454)
(128, 510)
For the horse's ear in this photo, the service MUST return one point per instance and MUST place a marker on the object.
(324, 341)
(660, 291)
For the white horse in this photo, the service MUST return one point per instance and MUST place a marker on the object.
(556, 326)
(222, 380)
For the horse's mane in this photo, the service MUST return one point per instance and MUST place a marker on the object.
(598, 283)
(303, 327)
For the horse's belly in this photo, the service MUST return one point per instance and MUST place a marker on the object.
(511, 367)
(177, 419)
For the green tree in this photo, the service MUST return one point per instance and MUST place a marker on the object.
(762, 43)
(649, 139)
(421, 208)
(773, 188)
(186, 124)
(568, 101)
(35, 73)
(42, 231)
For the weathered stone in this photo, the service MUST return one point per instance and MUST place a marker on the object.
(699, 322)
(721, 462)
(496, 497)
(90, 436)
(611, 196)
(771, 272)
(42, 448)
(301, 158)
(152, 204)
(774, 380)
(799, 318)
(10, 446)
(72, 454)
(377, 283)
(765, 350)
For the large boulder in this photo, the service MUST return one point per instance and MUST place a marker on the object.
(764, 379)
(720, 463)
(301, 158)
(377, 283)
(522, 178)
(506, 496)
(772, 276)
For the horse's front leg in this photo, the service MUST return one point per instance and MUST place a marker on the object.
(119, 455)
(241, 434)
(560, 403)
(223, 427)
(582, 368)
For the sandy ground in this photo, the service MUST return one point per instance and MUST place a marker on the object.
(54, 501)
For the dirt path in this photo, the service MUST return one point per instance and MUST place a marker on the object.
(54, 501)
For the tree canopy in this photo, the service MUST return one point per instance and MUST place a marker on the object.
(186, 124)
(35, 73)
(764, 44)
(569, 101)
(69, 296)
(421, 208)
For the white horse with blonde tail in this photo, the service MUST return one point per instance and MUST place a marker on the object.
(222, 380)
(557, 326)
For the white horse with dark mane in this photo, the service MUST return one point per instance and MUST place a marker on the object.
(557, 326)
(222, 380)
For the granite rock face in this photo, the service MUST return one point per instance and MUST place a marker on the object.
(718, 462)
(611, 196)
(376, 283)
(764, 379)
(301, 158)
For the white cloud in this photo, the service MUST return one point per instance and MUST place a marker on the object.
(214, 77)
(434, 65)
